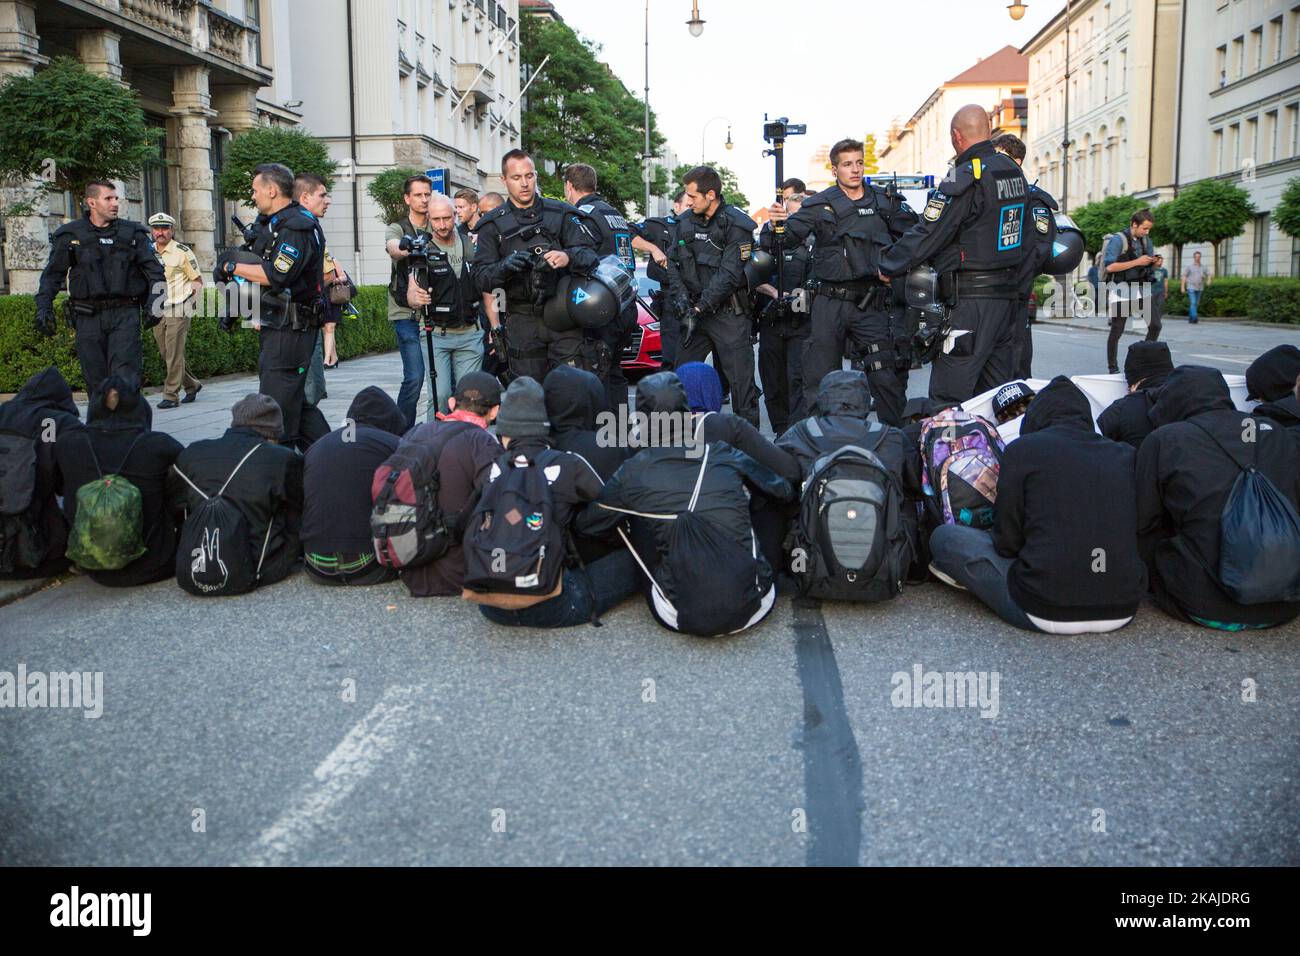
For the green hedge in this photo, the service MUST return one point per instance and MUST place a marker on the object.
(1264, 299)
(208, 350)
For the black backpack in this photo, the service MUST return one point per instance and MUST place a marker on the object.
(214, 531)
(1259, 537)
(849, 542)
(513, 542)
(696, 548)
(22, 543)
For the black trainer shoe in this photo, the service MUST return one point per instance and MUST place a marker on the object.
(169, 403)
(190, 396)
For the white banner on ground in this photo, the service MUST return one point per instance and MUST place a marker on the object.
(1101, 390)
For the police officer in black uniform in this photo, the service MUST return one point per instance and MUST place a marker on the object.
(523, 247)
(613, 238)
(654, 237)
(708, 288)
(287, 262)
(112, 273)
(850, 223)
(1042, 213)
(973, 229)
(783, 325)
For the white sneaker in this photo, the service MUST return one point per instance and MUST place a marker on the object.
(945, 578)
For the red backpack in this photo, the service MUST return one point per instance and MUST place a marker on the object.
(407, 526)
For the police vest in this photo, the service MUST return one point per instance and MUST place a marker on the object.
(796, 260)
(615, 233)
(664, 228)
(307, 291)
(700, 246)
(453, 296)
(992, 237)
(861, 232)
(536, 236)
(103, 261)
(1133, 248)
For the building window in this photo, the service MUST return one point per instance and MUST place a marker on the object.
(1234, 146)
(1238, 57)
(1256, 49)
(1292, 130)
(1251, 145)
(1218, 151)
(1295, 258)
(1221, 65)
(155, 174)
(1275, 40)
(253, 17)
(1259, 255)
(1270, 137)
(1224, 256)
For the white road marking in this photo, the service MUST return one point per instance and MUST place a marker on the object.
(1222, 358)
(351, 762)
(1064, 335)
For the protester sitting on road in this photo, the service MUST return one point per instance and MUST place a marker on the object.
(33, 533)
(117, 441)
(1274, 379)
(266, 486)
(1127, 419)
(1062, 557)
(587, 589)
(336, 476)
(691, 521)
(464, 449)
(574, 399)
(1186, 469)
(840, 418)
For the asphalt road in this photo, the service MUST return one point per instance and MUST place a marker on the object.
(308, 726)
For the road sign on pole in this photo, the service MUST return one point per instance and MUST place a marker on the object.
(439, 177)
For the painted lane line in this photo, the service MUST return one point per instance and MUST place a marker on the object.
(363, 749)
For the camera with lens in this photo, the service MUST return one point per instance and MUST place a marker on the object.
(779, 129)
(417, 246)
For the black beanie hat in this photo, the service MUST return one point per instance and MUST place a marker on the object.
(523, 411)
(1272, 376)
(1147, 360)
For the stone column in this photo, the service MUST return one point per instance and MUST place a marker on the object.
(26, 247)
(191, 107)
(100, 52)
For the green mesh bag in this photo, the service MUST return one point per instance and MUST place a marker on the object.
(108, 531)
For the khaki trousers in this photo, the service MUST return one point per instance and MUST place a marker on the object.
(170, 335)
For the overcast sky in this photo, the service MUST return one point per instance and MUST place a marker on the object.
(844, 67)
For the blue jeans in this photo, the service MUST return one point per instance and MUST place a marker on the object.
(967, 556)
(455, 355)
(595, 590)
(411, 349)
(314, 387)
(1193, 300)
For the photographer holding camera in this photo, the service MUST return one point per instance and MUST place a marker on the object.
(524, 247)
(440, 289)
(416, 192)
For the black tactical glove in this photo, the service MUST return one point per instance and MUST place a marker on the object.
(517, 262)
(151, 314)
(226, 322)
(682, 305)
(45, 322)
(225, 266)
(497, 337)
(690, 319)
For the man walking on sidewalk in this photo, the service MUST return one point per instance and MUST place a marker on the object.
(184, 280)
(1195, 278)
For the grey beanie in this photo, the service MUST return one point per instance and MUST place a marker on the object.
(523, 411)
(259, 413)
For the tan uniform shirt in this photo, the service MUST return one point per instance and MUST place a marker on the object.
(181, 267)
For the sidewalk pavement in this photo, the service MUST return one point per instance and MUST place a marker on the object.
(1253, 337)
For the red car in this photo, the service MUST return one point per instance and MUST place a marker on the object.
(644, 354)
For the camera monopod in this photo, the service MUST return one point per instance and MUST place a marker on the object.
(775, 133)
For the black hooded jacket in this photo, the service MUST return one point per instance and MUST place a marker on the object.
(44, 398)
(148, 466)
(843, 403)
(1065, 511)
(574, 399)
(1286, 412)
(660, 481)
(267, 490)
(1183, 481)
(1128, 419)
(337, 472)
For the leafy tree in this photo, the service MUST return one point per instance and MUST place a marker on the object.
(577, 111)
(731, 194)
(1096, 219)
(1287, 213)
(386, 190)
(66, 126)
(291, 146)
(1212, 211)
(870, 164)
